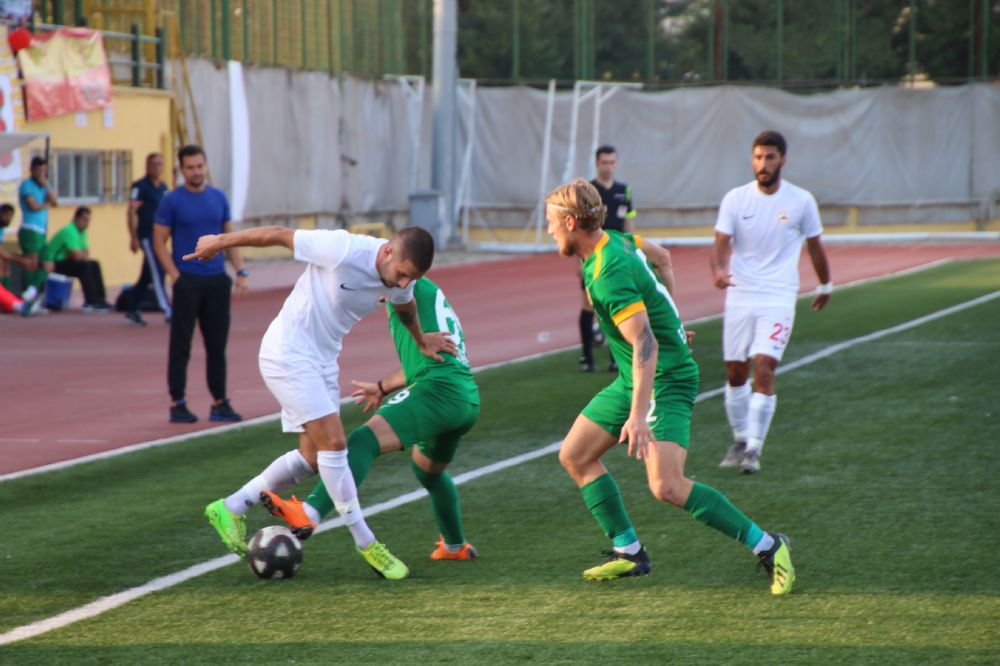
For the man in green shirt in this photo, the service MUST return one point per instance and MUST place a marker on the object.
(70, 252)
(650, 403)
(436, 404)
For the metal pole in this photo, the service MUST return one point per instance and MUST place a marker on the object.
(781, 40)
(329, 36)
(136, 56)
(213, 11)
(712, 24)
(227, 31)
(443, 95)
(912, 64)
(725, 41)
(550, 101)
(161, 58)
(245, 15)
(304, 32)
(984, 63)
(577, 41)
(972, 40)
(515, 42)
(650, 41)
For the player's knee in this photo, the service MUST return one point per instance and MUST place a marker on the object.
(571, 460)
(667, 492)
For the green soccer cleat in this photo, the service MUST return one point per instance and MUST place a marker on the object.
(620, 565)
(232, 527)
(384, 563)
(777, 562)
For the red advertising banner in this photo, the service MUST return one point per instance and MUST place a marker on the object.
(65, 71)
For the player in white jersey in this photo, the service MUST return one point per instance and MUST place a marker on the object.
(346, 277)
(764, 222)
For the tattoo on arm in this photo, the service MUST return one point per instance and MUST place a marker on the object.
(646, 344)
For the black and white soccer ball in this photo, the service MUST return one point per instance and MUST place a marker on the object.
(274, 552)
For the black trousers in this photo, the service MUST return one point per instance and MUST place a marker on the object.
(151, 275)
(88, 272)
(205, 300)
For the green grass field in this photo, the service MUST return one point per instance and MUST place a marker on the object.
(882, 465)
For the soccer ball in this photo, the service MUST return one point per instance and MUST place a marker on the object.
(274, 552)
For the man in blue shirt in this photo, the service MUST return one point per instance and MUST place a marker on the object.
(35, 198)
(144, 199)
(201, 288)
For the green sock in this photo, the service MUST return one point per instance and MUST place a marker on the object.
(711, 507)
(362, 450)
(444, 501)
(604, 500)
(5, 282)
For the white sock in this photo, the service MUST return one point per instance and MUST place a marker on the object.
(737, 408)
(29, 293)
(339, 483)
(284, 472)
(312, 512)
(759, 421)
(630, 549)
(765, 543)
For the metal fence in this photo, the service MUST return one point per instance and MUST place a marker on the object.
(800, 43)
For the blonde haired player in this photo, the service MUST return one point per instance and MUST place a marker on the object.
(764, 222)
(649, 405)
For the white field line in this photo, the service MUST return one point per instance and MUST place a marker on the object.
(110, 602)
(346, 399)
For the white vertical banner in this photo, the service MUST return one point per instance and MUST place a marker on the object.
(10, 163)
(239, 125)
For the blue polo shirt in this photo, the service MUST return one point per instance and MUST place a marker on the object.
(149, 195)
(36, 220)
(191, 215)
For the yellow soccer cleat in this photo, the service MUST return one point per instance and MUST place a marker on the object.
(384, 563)
(620, 565)
(232, 527)
(778, 563)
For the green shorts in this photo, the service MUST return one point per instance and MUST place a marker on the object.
(669, 411)
(32, 242)
(433, 415)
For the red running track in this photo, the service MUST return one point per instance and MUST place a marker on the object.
(74, 384)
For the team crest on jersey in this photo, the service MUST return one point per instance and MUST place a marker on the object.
(783, 217)
(382, 299)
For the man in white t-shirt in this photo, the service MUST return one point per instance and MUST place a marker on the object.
(346, 277)
(764, 222)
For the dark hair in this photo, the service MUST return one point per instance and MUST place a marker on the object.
(152, 155)
(38, 161)
(78, 213)
(6, 207)
(771, 138)
(606, 149)
(417, 245)
(189, 150)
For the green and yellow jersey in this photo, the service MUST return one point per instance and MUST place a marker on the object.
(436, 315)
(620, 283)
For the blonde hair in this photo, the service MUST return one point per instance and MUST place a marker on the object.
(580, 199)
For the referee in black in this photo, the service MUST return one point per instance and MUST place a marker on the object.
(617, 198)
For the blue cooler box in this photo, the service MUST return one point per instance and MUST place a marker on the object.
(57, 291)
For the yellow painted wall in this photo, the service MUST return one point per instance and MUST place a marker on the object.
(140, 122)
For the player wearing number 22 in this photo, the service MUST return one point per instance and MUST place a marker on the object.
(649, 404)
(764, 222)
(434, 405)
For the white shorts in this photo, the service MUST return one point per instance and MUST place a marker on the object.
(306, 390)
(748, 331)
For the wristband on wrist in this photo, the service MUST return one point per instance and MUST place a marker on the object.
(824, 289)
(243, 273)
(381, 388)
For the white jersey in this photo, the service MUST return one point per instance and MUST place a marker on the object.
(767, 232)
(339, 286)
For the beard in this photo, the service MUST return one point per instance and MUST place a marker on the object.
(765, 180)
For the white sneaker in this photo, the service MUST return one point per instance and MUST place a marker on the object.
(751, 462)
(734, 456)
(30, 294)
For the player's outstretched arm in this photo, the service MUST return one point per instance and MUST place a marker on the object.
(817, 254)
(430, 344)
(210, 245)
(645, 350)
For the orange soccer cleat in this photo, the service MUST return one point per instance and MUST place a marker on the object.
(466, 552)
(290, 511)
